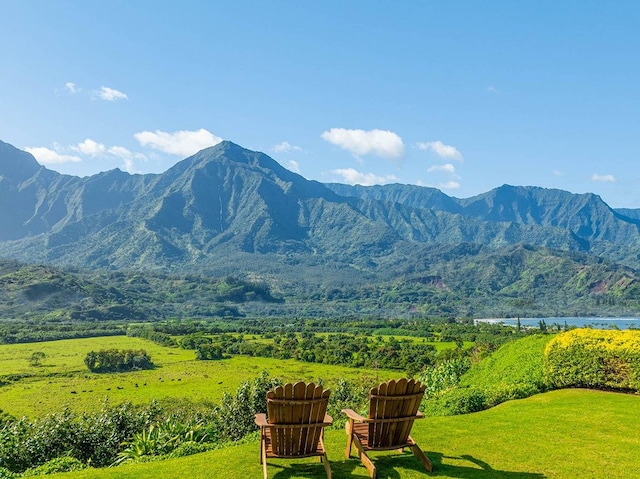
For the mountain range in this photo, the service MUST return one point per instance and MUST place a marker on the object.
(230, 211)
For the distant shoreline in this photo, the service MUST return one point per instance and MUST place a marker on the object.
(577, 321)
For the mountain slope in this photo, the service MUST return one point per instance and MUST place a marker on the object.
(228, 210)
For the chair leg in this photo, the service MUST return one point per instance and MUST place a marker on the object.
(349, 428)
(261, 449)
(263, 461)
(422, 457)
(366, 461)
(373, 474)
(327, 467)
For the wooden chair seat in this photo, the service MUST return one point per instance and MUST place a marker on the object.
(361, 430)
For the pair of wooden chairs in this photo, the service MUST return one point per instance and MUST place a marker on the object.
(296, 416)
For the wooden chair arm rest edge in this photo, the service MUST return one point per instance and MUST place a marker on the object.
(354, 416)
(261, 420)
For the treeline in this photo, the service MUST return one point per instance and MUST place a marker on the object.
(337, 349)
(13, 332)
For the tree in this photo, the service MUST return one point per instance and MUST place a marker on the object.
(36, 358)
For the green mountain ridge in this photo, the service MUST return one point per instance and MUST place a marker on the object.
(231, 211)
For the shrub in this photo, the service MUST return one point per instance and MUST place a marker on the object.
(444, 376)
(6, 473)
(463, 401)
(209, 352)
(507, 392)
(594, 358)
(350, 395)
(59, 464)
(90, 437)
(162, 438)
(234, 416)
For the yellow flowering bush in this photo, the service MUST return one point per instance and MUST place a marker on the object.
(594, 358)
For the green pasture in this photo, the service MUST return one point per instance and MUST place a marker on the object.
(562, 434)
(64, 381)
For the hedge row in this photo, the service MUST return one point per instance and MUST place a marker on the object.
(594, 358)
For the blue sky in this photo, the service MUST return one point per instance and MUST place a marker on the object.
(460, 95)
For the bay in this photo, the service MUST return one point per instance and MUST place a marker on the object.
(580, 322)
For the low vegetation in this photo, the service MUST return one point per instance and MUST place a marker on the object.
(459, 381)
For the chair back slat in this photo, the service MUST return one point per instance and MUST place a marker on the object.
(393, 400)
(302, 407)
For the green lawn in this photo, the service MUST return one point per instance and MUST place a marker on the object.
(569, 433)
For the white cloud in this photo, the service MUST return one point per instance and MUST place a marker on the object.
(120, 152)
(180, 143)
(448, 168)
(286, 147)
(47, 156)
(354, 177)
(294, 166)
(442, 150)
(492, 89)
(604, 178)
(383, 143)
(109, 94)
(71, 87)
(89, 147)
(449, 185)
(127, 158)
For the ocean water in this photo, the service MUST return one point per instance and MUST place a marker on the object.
(597, 323)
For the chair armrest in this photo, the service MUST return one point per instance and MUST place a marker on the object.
(351, 414)
(328, 420)
(261, 420)
(419, 415)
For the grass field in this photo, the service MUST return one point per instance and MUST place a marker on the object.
(562, 434)
(64, 381)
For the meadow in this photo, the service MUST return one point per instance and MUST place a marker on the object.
(63, 380)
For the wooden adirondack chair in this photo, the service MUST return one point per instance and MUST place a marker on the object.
(294, 424)
(393, 406)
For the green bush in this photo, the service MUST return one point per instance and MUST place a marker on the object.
(463, 401)
(234, 417)
(59, 464)
(164, 437)
(188, 448)
(444, 376)
(208, 352)
(91, 437)
(595, 359)
(507, 392)
(6, 473)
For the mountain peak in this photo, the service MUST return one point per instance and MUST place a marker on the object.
(15, 164)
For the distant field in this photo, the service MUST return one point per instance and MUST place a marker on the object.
(63, 379)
